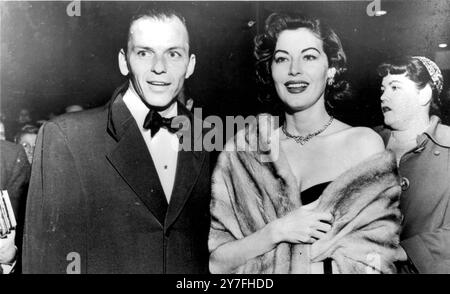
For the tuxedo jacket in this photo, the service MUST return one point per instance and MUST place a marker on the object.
(96, 201)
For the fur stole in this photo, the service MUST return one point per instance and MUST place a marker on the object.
(252, 188)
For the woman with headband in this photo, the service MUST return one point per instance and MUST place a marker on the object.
(410, 103)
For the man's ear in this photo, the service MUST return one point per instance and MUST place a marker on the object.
(123, 64)
(191, 66)
(425, 95)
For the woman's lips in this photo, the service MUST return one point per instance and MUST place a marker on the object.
(295, 87)
(385, 109)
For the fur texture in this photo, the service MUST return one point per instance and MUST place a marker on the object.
(248, 193)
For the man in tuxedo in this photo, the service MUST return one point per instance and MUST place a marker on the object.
(110, 192)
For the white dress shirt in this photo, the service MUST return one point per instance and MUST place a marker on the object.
(163, 147)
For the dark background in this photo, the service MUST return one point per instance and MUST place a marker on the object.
(50, 60)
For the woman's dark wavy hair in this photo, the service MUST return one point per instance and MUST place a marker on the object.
(332, 46)
(416, 71)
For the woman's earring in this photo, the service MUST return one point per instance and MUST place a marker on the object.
(330, 81)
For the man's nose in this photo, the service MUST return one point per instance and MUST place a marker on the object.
(159, 65)
(295, 67)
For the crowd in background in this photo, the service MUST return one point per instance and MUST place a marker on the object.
(23, 128)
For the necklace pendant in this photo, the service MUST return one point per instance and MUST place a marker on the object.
(301, 141)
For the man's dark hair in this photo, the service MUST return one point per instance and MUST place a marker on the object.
(158, 14)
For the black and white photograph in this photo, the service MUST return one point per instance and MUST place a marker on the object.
(225, 137)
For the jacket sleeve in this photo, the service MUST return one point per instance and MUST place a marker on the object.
(18, 182)
(430, 252)
(55, 224)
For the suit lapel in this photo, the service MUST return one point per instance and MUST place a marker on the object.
(189, 165)
(130, 157)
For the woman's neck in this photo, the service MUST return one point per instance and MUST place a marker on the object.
(411, 129)
(307, 121)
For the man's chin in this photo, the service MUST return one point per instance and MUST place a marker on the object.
(159, 103)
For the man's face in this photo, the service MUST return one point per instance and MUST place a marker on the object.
(400, 101)
(158, 59)
(28, 142)
(24, 116)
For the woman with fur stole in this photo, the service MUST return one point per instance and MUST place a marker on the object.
(316, 195)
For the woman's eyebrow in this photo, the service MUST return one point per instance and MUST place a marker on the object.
(309, 48)
(281, 51)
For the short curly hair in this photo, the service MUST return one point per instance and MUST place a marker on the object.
(25, 130)
(265, 46)
(416, 71)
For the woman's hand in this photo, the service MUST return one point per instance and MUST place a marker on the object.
(7, 248)
(301, 226)
(401, 254)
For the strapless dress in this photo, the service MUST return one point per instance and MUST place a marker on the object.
(308, 196)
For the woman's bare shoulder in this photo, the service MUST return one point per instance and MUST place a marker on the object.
(364, 141)
(361, 142)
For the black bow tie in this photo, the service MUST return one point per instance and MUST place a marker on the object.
(154, 121)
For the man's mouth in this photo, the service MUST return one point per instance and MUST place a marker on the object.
(158, 83)
(296, 87)
(385, 109)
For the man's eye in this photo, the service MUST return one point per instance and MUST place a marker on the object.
(174, 54)
(280, 59)
(395, 88)
(309, 57)
(142, 53)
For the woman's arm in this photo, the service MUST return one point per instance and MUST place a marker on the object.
(230, 255)
(299, 226)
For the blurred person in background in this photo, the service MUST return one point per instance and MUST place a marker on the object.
(26, 137)
(24, 116)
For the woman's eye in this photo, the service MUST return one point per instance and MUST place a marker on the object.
(309, 57)
(280, 59)
(395, 88)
